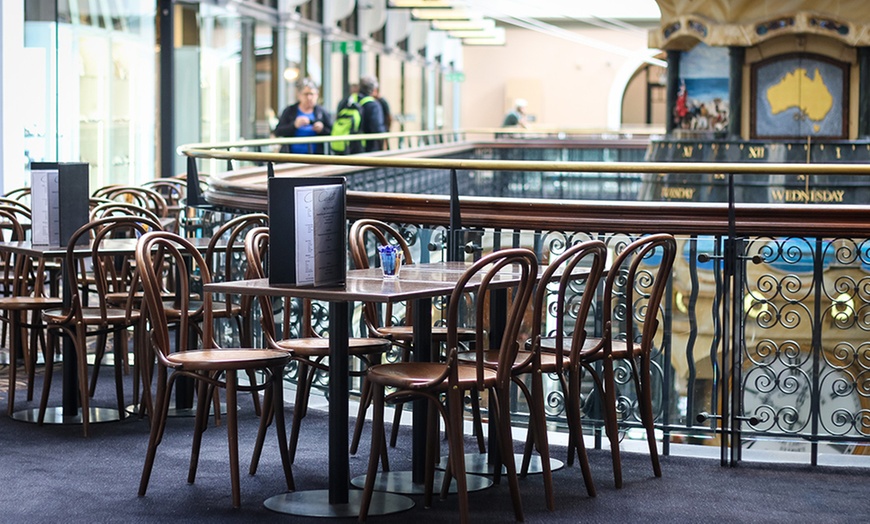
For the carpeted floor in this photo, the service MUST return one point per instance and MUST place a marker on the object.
(53, 474)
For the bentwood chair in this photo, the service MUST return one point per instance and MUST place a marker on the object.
(95, 274)
(24, 278)
(564, 294)
(211, 367)
(450, 379)
(308, 351)
(633, 291)
(371, 232)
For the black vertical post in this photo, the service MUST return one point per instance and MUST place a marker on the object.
(864, 92)
(735, 90)
(673, 87)
(454, 248)
(167, 91)
(730, 414)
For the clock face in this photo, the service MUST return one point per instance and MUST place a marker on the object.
(778, 391)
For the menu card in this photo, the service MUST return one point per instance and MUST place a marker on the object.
(59, 201)
(307, 230)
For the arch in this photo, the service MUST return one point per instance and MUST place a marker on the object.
(620, 84)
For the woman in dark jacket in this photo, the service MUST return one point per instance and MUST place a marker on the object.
(304, 118)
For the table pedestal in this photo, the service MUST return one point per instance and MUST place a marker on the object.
(315, 503)
(54, 415)
(401, 482)
(478, 463)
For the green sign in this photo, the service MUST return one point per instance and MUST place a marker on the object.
(454, 77)
(347, 47)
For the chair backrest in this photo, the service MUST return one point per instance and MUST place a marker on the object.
(256, 251)
(223, 256)
(173, 190)
(11, 202)
(21, 194)
(100, 267)
(153, 251)
(11, 230)
(140, 196)
(361, 233)
(523, 265)
(635, 285)
(564, 273)
(112, 208)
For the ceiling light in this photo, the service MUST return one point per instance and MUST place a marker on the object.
(471, 33)
(479, 24)
(443, 14)
(430, 4)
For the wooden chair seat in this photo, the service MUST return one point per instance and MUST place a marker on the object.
(316, 347)
(406, 333)
(29, 303)
(226, 358)
(93, 316)
(417, 375)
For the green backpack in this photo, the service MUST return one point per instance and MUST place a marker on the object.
(348, 121)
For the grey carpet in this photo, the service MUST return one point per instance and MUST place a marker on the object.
(53, 474)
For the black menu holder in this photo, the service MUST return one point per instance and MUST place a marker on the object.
(59, 196)
(307, 231)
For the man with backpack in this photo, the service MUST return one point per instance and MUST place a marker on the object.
(360, 113)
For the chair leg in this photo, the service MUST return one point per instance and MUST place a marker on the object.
(277, 402)
(199, 425)
(477, 421)
(610, 423)
(576, 430)
(457, 450)
(14, 335)
(119, 349)
(375, 452)
(265, 421)
(82, 360)
(233, 436)
(539, 429)
(365, 400)
(98, 361)
(644, 393)
(51, 342)
(505, 442)
(300, 407)
(156, 435)
(397, 421)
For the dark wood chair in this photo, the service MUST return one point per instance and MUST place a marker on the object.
(24, 279)
(371, 232)
(309, 350)
(450, 379)
(94, 275)
(633, 291)
(210, 366)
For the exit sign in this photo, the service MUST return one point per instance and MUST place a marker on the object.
(347, 48)
(454, 77)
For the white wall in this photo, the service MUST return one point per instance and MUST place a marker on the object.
(567, 84)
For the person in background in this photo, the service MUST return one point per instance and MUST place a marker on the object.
(304, 118)
(388, 117)
(372, 112)
(517, 116)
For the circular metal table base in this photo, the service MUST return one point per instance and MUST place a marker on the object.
(54, 415)
(402, 482)
(315, 503)
(478, 463)
(179, 412)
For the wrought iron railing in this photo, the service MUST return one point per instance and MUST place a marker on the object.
(778, 361)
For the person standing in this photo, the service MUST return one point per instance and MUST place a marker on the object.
(371, 114)
(304, 118)
(517, 116)
(388, 116)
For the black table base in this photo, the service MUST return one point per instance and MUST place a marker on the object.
(54, 415)
(402, 482)
(315, 503)
(478, 464)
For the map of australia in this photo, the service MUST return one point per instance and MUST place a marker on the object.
(798, 90)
